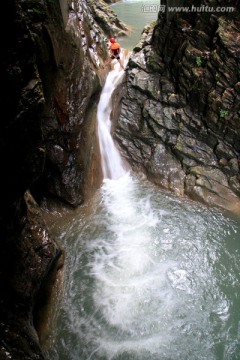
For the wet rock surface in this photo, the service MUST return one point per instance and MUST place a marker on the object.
(28, 254)
(179, 121)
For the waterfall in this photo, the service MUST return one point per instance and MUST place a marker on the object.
(149, 276)
(112, 164)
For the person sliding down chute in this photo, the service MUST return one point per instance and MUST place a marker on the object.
(115, 50)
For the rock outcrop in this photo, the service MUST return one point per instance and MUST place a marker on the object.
(107, 18)
(179, 121)
(28, 255)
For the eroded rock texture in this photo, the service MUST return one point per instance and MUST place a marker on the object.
(179, 121)
(28, 254)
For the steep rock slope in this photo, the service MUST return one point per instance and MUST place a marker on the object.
(179, 121)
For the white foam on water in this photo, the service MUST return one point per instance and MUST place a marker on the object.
(147, 280)
(129, 278)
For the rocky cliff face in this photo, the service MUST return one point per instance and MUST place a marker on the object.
(51, 76)
(179, 121)
(29, 254)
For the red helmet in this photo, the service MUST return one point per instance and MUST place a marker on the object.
(112, 40)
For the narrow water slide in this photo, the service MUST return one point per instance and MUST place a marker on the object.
(112, 164)
(149, 276)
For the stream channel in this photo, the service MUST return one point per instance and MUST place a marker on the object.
(148, 275)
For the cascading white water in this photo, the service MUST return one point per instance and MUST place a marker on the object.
(149, 276)
(112, 164)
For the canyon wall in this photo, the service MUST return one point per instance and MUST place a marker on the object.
(179, 121)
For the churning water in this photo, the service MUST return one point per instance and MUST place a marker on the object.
(149, 276)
